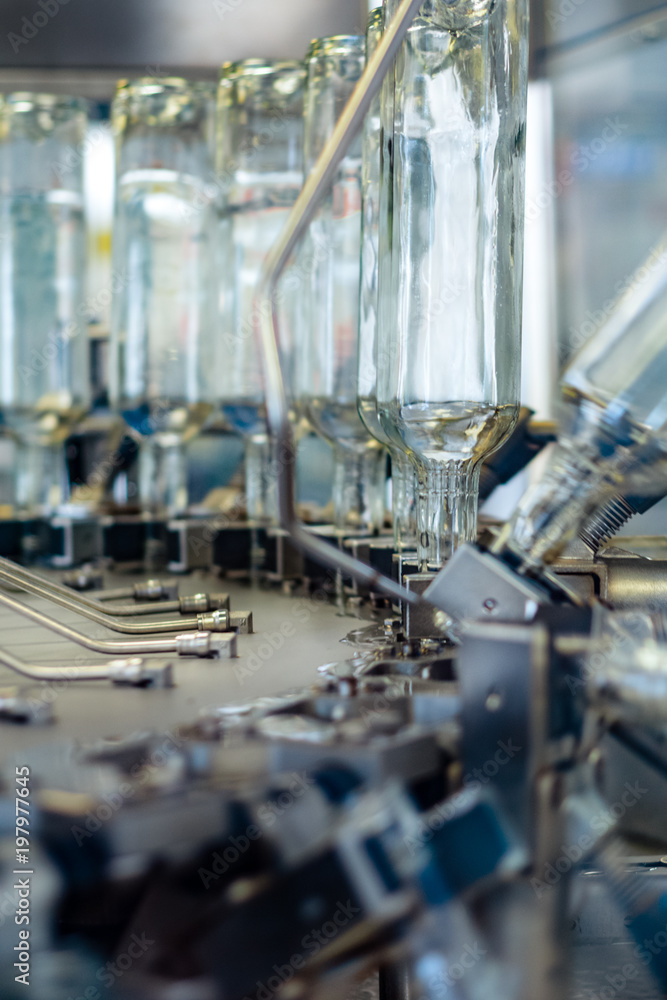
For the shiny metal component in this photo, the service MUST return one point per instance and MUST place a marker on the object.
(136, 672)
(226, 621)
(155, 590)
(118, 646)
(60, 595)
(17, 706)
(630, 574)
(606, 522)
(475, 585)
(147, 590)
(424, 621)
(84, 579)
(204, 644)
(200, 603)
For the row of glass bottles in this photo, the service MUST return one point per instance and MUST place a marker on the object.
(426, 349)
(44, 386)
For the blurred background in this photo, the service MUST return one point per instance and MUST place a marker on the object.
(597, 150)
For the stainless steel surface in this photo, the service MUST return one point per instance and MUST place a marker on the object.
(295, 635)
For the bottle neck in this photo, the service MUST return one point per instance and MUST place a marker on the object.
(42, 483)
(446, 511)
(163, 483)
(358, 488)
(260, 480)
(403, 501)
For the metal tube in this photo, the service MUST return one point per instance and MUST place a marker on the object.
(184, 605)
(99, 673)
(36, 585)
(113, 647)
(135, 671)
(316, 186)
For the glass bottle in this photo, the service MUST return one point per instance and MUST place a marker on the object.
(613, 434)
(327, 365)
(164, 315)
(403, 479)
(451, 247)
(260, 167)
(44, 366)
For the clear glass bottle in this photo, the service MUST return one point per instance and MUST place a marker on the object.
(260, 166)
(613, 434)
(403, 475)
(164, 322)
(327, 365)
(44, 365)
(451, 247)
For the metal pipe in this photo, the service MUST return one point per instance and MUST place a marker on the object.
(315, 188)
(218, 621)
(193, 643)
(132, 671)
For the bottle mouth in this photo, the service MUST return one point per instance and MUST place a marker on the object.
(336, 46)
(263, 82)
(47, 110)
(161, 102)
(458, 15)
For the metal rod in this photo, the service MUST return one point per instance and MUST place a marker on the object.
(110, 646)
(52, 592)
(189, 604)
(120, 593)
(315, 188)
(135, 671)
(35, 673)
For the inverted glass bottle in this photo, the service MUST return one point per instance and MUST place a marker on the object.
(260, 167)
(164, 315)
(613, 435)
(451, 247)
(403, 477)
(44, 370)
(326, 368)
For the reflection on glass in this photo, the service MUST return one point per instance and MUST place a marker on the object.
(44, 384)
(451, 241)
(326, 369)
(403, 475)
(614, 432)
(260, 166)
(164, 320)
